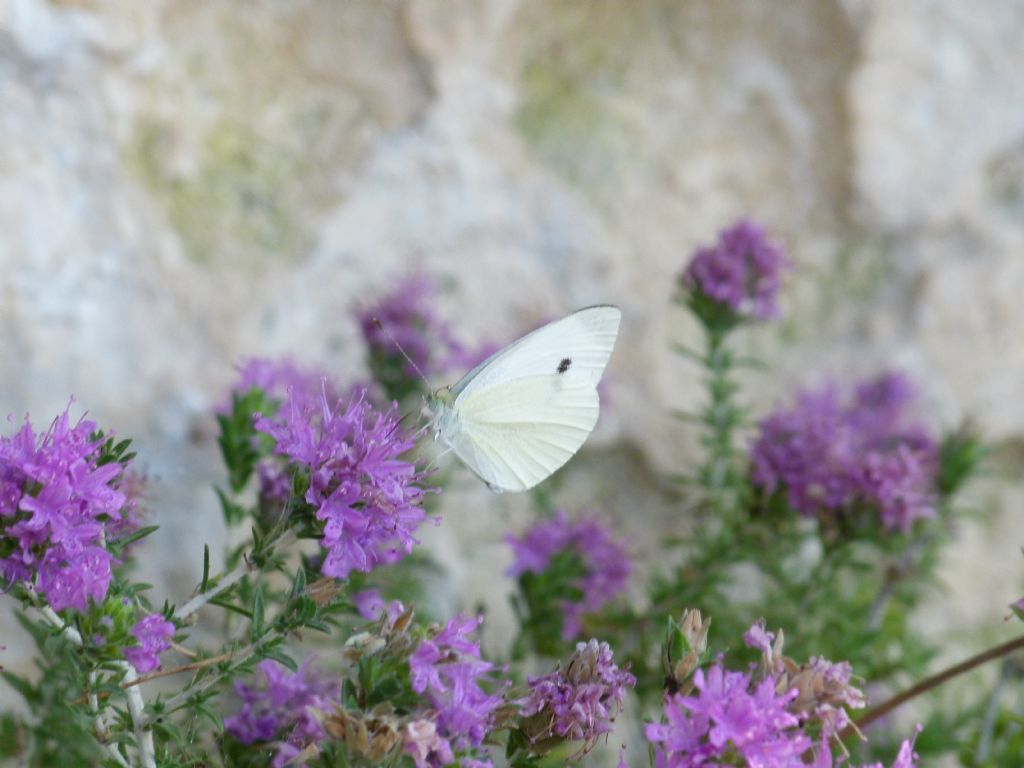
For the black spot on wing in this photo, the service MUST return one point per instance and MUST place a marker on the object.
(564, 365)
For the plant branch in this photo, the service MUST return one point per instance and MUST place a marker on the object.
(136, 704)
(176, 701)
(928, 684)
(137, 710)
(51, 617)
(100, 726)
(223, 584)
(178, 670)
(226, 582)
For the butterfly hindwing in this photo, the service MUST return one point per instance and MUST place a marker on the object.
(515, 434)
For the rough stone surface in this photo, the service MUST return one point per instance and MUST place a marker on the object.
(185, 183)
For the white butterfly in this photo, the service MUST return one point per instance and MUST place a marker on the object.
(525, 411)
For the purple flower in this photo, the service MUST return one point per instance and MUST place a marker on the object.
(760, 638)
(367, 499)
(828, 455)
(741, 271)
(905, 759)
(581, 702)
(447, 668)
(821, 689)
(1018, 608)
(372, 606)
(133, 485)
(57, 505)
(153, 634)
(422, 742)
(280, 380)
(283, 707)
(605, 561)
(407, 314)
(729, 715)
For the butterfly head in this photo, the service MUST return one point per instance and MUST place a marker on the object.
(436, 404)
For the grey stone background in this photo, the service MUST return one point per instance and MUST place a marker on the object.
(187, 182)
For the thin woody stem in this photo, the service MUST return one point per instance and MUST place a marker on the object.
(129, 683)
(183, 668)
(203, 598)
(137, 711)
(928, 684)
(136, 704)
(223, 584)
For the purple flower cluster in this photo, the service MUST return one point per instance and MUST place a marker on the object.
(367, 498)
(823, 689)
(581, 702)
(283, 707)
(449, 670)
(829, 455)
(408, 315)
(56, 506)
(728, 715)
(762, 719)
(282, 380)
(153, 634)
(605, 561)
(742, 271)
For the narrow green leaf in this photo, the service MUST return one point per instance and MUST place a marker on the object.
(206, 569)
(257, 613)
(299, 583)
(119, 546)
(231, 607)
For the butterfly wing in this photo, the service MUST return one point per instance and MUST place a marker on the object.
(584, 339)
(516, 433)
(526, 411)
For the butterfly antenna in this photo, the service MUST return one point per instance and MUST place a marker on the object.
(393, 340)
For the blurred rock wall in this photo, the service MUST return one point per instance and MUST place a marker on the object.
(185, 182)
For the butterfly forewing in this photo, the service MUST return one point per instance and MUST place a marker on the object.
(525, 411)
(585, 338)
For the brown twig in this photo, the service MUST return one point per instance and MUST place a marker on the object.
(183, 668)
(928, 684)
(166, 672)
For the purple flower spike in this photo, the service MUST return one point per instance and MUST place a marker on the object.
(581, 702)
(729, 715)
(449, 670)
(283, 707)
(828, 455)
(605, 560)
(742, 271)
(57, 508)
(282, 380)
(153, 634)
(407, 314)
(367, 498)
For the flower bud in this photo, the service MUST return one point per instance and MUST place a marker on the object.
(685, 644)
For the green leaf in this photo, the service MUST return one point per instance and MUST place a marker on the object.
(257, 614)
(299, 583)
(118, 546)
(205, 583)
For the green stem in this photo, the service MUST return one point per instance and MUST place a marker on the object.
(718, 475)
